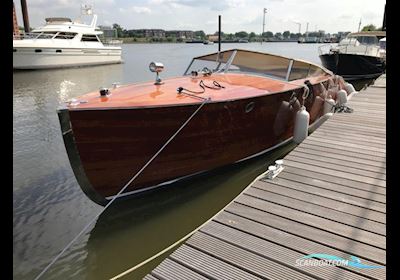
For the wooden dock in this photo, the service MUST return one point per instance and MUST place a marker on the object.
(329, 199)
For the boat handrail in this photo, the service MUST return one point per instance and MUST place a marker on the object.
(111, 41)
(320, 48)
(26, 36)
(47, 35)
(344, 48)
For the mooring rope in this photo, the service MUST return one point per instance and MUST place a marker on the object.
(205, 100)
(203, 86)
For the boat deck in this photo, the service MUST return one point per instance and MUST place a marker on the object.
(329, 199)
(236, 86)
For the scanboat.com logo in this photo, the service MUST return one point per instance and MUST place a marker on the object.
(331, 260)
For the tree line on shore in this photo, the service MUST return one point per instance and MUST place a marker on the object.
(136, 35)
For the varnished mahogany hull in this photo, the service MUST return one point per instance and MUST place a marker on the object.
(111, 145)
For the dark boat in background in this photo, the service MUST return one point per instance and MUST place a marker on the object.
(253, 101)
(357, 57)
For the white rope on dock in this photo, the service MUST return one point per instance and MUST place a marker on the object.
(205, 100)
(187, 235)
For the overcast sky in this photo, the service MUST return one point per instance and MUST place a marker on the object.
(237, 15)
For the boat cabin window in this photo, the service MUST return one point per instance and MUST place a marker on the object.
(365, 40)
(89, 38)
(45, 34)
(65, 35)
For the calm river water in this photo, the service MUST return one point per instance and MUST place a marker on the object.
(49, 206)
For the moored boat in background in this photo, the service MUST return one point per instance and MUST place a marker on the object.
(252, 101)
(357, 57)
(61, 43)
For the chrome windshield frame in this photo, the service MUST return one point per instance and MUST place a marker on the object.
(289, 69)
(224, 69)
(187, 69)
(229, 62)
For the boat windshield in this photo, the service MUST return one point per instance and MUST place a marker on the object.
(254, 63)
(365, 40)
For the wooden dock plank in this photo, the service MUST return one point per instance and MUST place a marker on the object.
(171, 270)
(381, 164)
(349, 245)
(337, 166)
(353, 153)
(356, 128)
(244, 259)
(339, 163)
(209, 266)
(313, 221)
(351, 139)
(330, 198)
(359, 147)
(361, 193)
(362, 121)
(340, 174)
(338, 143)
(337, 180)
(150, 277)
(340, 200)
(338, 131)
(279, 246)
(317, 210)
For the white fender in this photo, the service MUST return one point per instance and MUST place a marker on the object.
(329, 104)
(341, 97)
(301, 125)
(349, 88)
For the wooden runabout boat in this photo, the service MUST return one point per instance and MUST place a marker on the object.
(250, 102)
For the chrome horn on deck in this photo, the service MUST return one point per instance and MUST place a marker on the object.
(157, 67)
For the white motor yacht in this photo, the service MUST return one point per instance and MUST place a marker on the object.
(62, 42)
(361, 55)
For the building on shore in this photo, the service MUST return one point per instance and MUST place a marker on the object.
(150, 33)
(161, 34)
(182, 34)
(108, 31)
(212, 38)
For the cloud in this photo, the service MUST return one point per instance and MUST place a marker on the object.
(141, 10)
(215, 5)
(136, 10)
(346, 16)
(237, 15)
